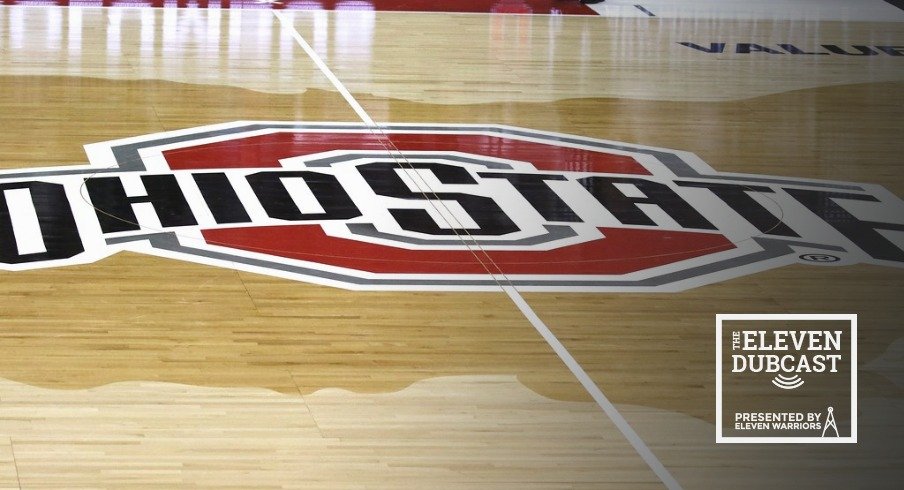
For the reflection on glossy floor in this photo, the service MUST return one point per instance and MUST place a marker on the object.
(140, 370)
(552, 7)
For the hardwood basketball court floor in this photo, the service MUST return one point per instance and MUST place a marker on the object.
(135, 366)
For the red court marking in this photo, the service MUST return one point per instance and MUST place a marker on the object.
(622, 251)
(265, 151)
(554, 7)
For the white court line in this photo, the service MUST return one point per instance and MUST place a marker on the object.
(608, 408)
(287, 25)
(623, 426)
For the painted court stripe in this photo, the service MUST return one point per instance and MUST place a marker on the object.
(287, 26)
(623, 426)
(602, 401)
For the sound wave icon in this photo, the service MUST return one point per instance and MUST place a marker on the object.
(788, 383)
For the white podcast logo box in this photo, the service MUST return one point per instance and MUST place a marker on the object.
(786, 378)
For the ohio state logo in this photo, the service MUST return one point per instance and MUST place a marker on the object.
(420, 206)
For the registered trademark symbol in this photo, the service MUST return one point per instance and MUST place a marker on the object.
(820, 258)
